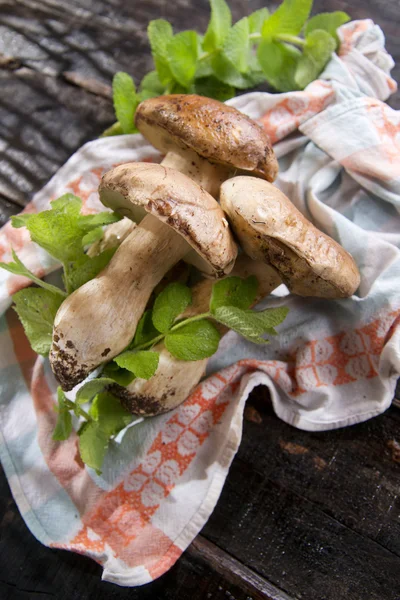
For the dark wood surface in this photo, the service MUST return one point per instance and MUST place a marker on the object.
(302, 515)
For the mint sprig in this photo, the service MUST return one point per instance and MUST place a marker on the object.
(279, 48)
(65, 233)
(196, 337)
(193, 338)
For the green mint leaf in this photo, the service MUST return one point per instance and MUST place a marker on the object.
(242, 322)
(121, 376)
(255, 76)
(89, 222)
(57, 230)
(317, 52)
(152, 82)
(86, 268)
(93, 236)
(60, 229)
(91, 388)
(234, 291)
(251, 324)
(256, 20)
(193, 341)
(150, 86)
(226, 72)
(237, 45)
(143, 363)
(93, 444)
(271, 317)
(18, 221)
(18, 268)
(279, 64)
(289, 18)
(177, 88)
(182, 50)
(160, 34)
(219, 25)
(63, 427)
(145, 330)
(212, 88)
(170, 303)
(328, 22)
(36, 309)
(204, 67)
(125, 100)
(109, 414)
(145, 94)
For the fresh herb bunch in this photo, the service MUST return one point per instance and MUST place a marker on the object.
(66, 234)
(286, 49)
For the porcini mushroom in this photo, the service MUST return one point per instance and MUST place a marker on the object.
(99, 319)
(206, 139)
(175, 379)
(270, 228)
(113, 236)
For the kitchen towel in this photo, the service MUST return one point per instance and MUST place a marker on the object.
(333, 364)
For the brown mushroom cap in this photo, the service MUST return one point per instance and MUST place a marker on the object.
(270, 228)
(137, 189)
(218, 132)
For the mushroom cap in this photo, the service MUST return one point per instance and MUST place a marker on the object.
(270, 228)
(218, 132)
(137, 189)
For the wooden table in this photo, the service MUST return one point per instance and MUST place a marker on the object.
(302, 515)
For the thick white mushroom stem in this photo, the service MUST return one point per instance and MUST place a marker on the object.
(127, 283)
(208, 175)
(175, 379)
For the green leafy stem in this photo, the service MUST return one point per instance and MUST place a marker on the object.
(287, 49)
(65, 233)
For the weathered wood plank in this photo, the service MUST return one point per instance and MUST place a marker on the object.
(96, 38)
(234, 571)
(43, 120)
(317, 513)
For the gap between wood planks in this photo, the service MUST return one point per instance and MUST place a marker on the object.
(234, 571)
(89, 84)
(76, 14)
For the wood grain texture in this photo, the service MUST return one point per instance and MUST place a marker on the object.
(318, 513)
(302, 516)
